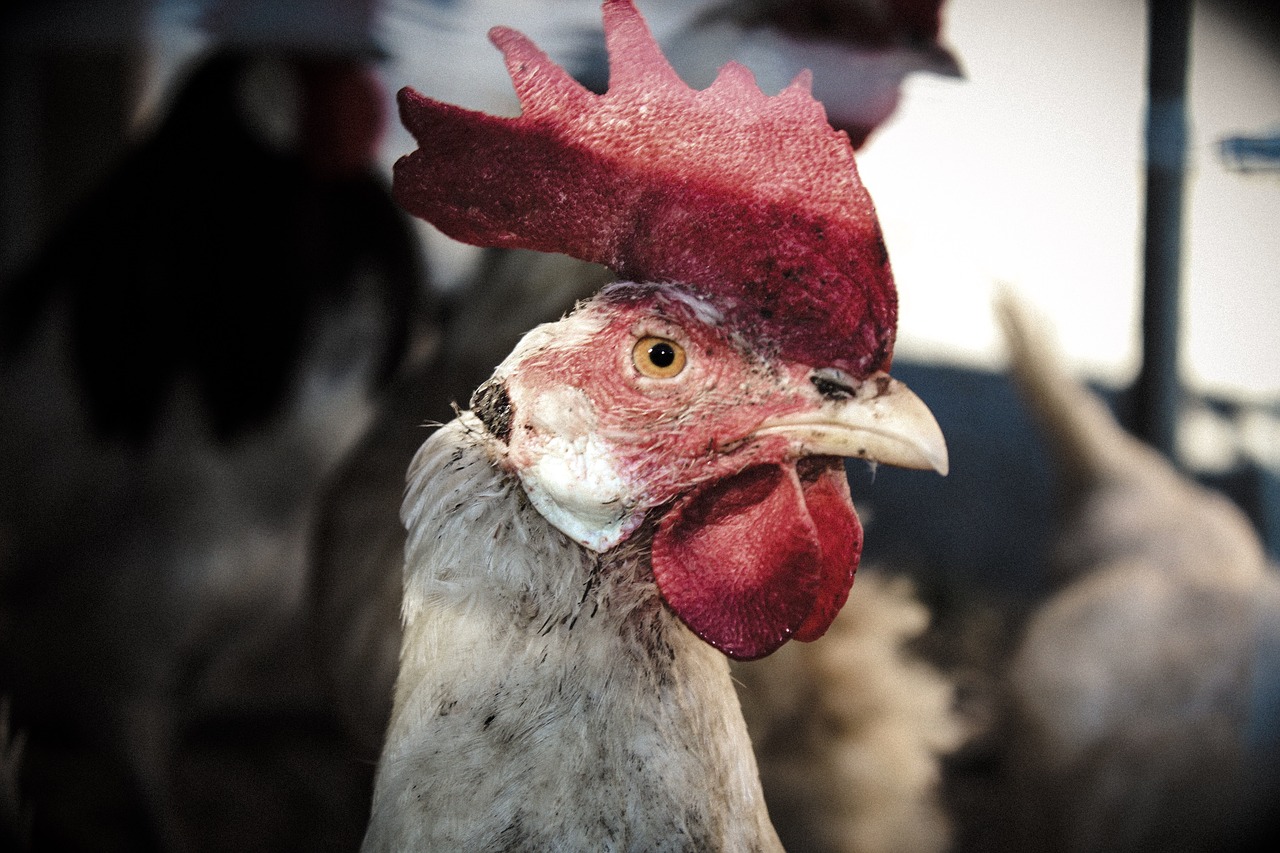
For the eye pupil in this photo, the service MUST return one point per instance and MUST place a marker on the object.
(662, 354)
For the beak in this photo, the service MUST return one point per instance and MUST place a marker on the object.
(877, 418)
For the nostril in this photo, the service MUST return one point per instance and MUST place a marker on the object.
(832, 384)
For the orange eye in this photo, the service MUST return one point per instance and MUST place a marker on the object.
(658, 358)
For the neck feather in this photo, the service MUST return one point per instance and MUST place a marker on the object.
(546, 697)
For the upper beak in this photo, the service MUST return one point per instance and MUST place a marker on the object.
(877, 418)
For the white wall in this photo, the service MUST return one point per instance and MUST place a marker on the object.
(1031, 171)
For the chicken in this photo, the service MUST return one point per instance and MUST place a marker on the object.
(217, 279)
(653, 482)
(1146, 688)
(188, 360)
(860, 51)
(851, 733)
(358, 544)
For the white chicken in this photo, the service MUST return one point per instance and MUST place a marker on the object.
(652, 481)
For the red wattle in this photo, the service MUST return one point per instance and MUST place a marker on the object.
(831, 508)
(751, 560)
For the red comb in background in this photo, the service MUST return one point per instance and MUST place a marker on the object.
(751, 200)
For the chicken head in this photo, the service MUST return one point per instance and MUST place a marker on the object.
(716, 389)
(647, 401)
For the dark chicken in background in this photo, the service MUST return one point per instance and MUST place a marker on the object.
(15, 818)
(211, 252)
(184, 362)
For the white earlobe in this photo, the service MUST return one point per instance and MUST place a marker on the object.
(571, 476)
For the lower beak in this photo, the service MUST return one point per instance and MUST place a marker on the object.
(878, 419)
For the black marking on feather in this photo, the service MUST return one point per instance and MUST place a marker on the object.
(492, 405)
(698, 835)
(514, 837)
(547, 626)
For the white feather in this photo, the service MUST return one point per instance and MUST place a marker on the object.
(546, 699)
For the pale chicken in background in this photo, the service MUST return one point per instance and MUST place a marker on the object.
(1145, 690)
(852, 732)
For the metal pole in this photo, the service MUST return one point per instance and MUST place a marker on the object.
(1158, 391)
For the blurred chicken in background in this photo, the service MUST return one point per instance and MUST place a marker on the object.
(1146, 688)
(1136, 705)
(185, 358)
(860, 52)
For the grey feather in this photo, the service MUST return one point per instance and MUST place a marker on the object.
(546, 699)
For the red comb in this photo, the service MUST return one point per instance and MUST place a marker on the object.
(752, 201)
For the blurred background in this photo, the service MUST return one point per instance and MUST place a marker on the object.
(219, 341)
